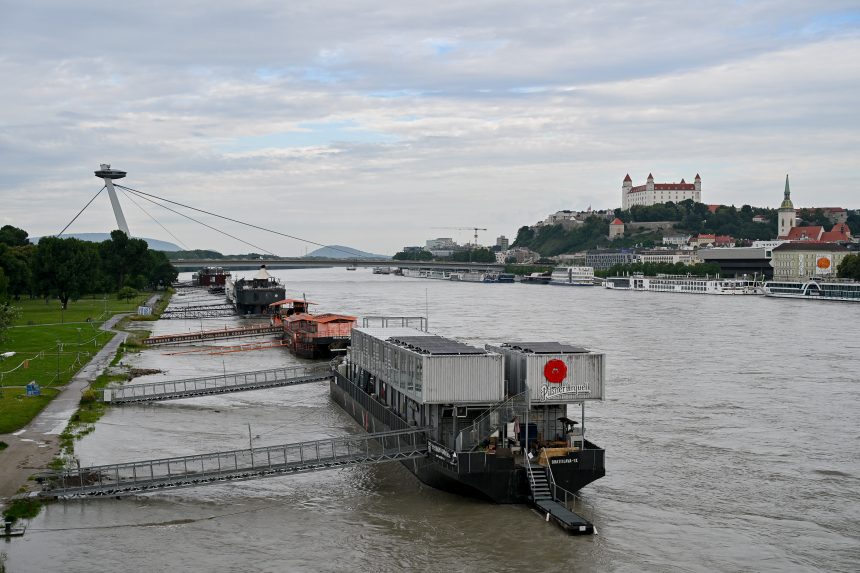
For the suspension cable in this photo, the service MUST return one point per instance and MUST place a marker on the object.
(81, 211)
(351, 255)
(139, 206)
(143, 196)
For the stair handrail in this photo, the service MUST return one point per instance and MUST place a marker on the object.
(555, 489)
(509, 402)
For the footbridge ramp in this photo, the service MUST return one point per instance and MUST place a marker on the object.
(219, 384)
(197, 470)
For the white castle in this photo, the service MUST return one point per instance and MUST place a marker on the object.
(652, 193)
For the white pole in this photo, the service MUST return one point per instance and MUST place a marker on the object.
(117, 209)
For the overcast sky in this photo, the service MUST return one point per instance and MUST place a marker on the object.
(370, 123)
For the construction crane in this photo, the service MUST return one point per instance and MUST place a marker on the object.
(475, 229)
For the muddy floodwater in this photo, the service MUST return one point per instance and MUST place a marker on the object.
(730, 427)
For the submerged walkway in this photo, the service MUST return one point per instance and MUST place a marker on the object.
(238, 332)
(188, 471)
(219, 384)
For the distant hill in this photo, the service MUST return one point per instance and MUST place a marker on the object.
(154, 244)
(341, 252)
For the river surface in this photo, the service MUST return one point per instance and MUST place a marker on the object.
(731, 428)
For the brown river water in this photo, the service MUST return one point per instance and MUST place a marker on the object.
(731, 428)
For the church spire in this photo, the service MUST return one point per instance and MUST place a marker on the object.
(786, 202)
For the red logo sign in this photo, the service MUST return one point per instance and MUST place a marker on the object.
(555, 371)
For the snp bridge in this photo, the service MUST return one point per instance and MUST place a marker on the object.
(189, 471)
(220, 384)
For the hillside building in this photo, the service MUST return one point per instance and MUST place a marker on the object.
(652, 193)
(616, 228)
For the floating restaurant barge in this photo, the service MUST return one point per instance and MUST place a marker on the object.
(211, 277)
(497, 416)
(254, 295)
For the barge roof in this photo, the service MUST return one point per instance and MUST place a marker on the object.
(545, 347)
(435, 345)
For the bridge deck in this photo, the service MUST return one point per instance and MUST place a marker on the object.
(220, 384)
(183, 337)
(188, 471)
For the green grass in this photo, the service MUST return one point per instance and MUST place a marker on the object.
(53, 351)
(22, 509)
(17, 409)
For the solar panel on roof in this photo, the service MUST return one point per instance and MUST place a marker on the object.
(435, 345)
(546, 347)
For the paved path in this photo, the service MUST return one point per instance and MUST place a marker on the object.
(33, 447)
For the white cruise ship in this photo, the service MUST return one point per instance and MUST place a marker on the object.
(833, 289)
(684, 284)
(572, 276)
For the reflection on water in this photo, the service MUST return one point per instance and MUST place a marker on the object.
(730, 430)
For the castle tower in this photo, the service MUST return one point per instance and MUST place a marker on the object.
(649, 185)
(626, 186)
(786, 213)
(697, 194)
(109, 175)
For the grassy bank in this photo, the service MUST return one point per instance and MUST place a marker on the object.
(50, 348)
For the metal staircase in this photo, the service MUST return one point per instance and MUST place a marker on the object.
(539, 483)
(488, 422)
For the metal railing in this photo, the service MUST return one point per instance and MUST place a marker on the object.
(419, 322)
(486, 423)
(570, 500)
(173, 389)
(374, 408)
(185, 471)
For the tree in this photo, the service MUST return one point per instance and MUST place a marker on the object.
(65, 267)
(123, 258)
(13, 236)
(849, 268)
(420, 255)
(8, 315)
(126, 293)
(17, 262)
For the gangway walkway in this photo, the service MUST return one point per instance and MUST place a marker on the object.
(198, 311)
(219, 384)
(239, 332)
(187, 471)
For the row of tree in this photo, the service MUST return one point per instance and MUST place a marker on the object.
(70, 268)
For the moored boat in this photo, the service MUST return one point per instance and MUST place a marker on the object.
(685, 284)
(814, 289)
(496, 415)
(572, 276)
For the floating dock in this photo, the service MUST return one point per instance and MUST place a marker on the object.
(239, 332)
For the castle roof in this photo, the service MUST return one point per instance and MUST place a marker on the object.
(617, 221)
(627, 177)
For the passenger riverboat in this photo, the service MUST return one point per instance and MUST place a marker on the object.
(494, 414)
(685, 284)
(572, 276)
(814, 289)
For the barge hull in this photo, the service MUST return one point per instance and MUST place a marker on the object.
(474, 474)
